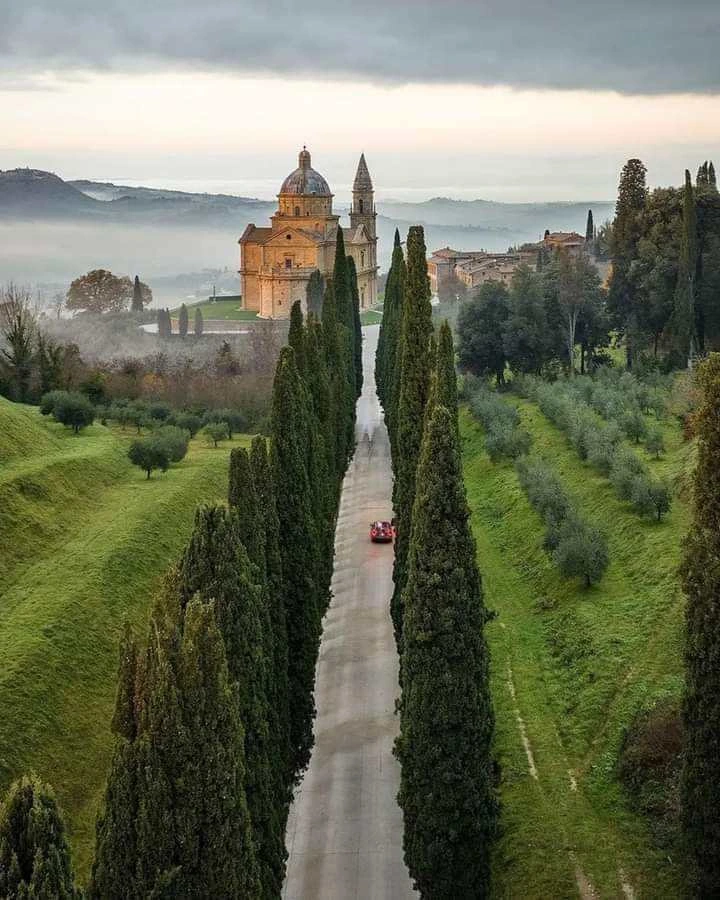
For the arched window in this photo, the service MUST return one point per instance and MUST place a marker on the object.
(360, 204)
(362, 259)
(297, 211)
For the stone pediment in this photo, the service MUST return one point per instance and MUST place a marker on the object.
(302, 237)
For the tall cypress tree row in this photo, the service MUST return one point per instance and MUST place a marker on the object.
(34, 853)
(314, 293)
(217, 567)
(414, 389)
(683, 324)
(288, 454)
(357, 325)
(447, 791)
(387, 335)
(296, 337)
(394, 357)
(175, 820)
(700, 785)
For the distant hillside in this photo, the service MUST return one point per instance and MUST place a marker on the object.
(32, 192)
(51, 229)
(529, 218)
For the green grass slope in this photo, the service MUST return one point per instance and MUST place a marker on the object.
(571, 667)
(85, 539)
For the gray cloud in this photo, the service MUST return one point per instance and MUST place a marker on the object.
(631, 46)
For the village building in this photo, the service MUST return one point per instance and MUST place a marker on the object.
(569, 241)
(474, 267)
(276, 261)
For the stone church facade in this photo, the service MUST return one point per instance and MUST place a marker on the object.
(276, 261)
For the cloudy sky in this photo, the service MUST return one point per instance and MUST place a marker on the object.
(535, 99)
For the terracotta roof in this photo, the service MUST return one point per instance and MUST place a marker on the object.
(255, 235)
(565, 237)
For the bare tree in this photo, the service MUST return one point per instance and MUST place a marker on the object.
(18, 329)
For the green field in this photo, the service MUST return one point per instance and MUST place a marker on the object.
(85, 539)
(219, 309)
(574, 666)
(370, 317)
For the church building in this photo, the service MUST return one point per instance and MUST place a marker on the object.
(276, 261)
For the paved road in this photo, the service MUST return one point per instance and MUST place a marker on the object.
(344, 835)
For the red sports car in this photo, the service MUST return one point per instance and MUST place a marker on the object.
(381, 532)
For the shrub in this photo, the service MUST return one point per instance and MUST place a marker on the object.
(634, 425)
(649, 765)
(149, 454)
(655, 442)
(48, 401)
(216, 432)
(187, 421)
(174, 440)
(650, 498)
(160, 411)
(74, 410)
(581, 551)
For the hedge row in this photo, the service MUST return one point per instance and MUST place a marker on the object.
(600, 444)
(577, 547)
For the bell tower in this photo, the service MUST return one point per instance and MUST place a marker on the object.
(363, 205)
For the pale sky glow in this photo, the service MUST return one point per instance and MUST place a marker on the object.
(225, 127)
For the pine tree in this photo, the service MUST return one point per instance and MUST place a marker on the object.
(137, 297)
(34, 853)
(447, 789)
(414, 387)
(623, 293)
(288, 454)
(589, 229)
(700, 785)
(219, 567)
(314, 293)
(175, 820)
(683, 320)
(357, 325)
(183, 321)
(199, 324)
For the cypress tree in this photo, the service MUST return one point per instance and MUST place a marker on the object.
(387, 327)
(217, 567)
(198, 322)
(414, 388)
(296, 337)
(589, 228)
(712, 180)
(137, 297)
(623, 295)
(446, 384)
(394, 357)
(341, 283)
(34, 853)
(176, 790)
(314, 293)
(683, 322)
(447, 791)
(700, 785)
(357, 325)
(183, 321)
(269, 527)
(288, 455)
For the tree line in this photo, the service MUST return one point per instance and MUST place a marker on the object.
(448, 782)
(214, 710)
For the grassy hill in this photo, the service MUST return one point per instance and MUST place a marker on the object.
(572, 666)
(85, 539)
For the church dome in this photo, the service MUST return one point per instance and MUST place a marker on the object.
(305, 180)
